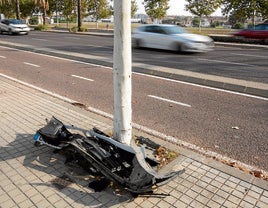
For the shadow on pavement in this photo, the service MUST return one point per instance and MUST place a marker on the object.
(70, 179)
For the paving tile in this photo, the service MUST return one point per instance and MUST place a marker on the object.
(186, 199)
(234, 199)
(202, 199)
(8, 204)
(264, 199)
(253, 194)
(250, 199)
(245, 184)
(196, 204)
(150, 205)
(213, 204)
(26, 203)
(245, 204)
(238, 194)
(261, 205)
(218, 199)
(230, 204)
(180, 204)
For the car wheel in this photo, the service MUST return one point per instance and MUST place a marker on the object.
(181, 47)
(138, 43)
(10, 32)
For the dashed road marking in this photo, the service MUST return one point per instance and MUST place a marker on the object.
(170, 101)
(31, 64)
(79, 77)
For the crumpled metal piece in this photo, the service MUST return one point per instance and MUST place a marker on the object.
(125, 165)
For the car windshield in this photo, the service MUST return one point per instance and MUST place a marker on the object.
(174, 30)
(16, 22)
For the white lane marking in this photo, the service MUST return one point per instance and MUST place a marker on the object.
(96, 46)
(203, 86)
(2, 57)
(140, 74)
(31, 64)
(83, 78)
(241, 54)
(226, 62)
(170, 101)
(39, 39)
(74, 38)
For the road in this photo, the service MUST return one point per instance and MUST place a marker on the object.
(231, 124)
(246, 64)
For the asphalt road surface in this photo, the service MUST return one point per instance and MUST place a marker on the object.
(231, 124)
(246, 64)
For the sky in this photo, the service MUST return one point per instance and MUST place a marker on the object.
(176, 8)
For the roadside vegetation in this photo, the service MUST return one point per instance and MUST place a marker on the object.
(238, 13)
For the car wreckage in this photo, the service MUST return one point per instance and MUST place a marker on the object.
(101, 155)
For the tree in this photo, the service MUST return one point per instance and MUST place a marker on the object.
(134, 7)
(99, 9)
(202, 8)
(156, 9)
(27, 8)
(44, 6)
(7, 7)
(244, 9)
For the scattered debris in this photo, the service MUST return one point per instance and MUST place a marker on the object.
(100, 155)
(61, 182)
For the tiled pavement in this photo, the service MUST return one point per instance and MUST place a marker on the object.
(36, 177)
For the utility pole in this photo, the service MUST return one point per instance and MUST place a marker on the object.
(122, 71)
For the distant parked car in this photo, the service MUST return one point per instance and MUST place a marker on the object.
(170, 37)
(13, 26)
(258, 32)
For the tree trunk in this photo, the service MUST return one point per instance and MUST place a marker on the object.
(17, 9)
(79, 14)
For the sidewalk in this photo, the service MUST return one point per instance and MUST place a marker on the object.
(36, 177)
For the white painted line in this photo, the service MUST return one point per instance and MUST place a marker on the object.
(170, 101)
(2, 57)
(97, 46)
(226, 62)
(72, 38)
(257, 56)
(31, 64)
(203, 86)
(83, 78)
(39, 39)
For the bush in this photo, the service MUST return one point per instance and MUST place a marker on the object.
(75, 29)
(33, 21)
(238, 25)
(41, 27)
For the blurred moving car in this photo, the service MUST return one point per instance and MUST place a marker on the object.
(260, 31)
(170, 37)
(14, 26)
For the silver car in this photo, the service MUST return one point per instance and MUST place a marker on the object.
(14, 26)
(170, 37)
